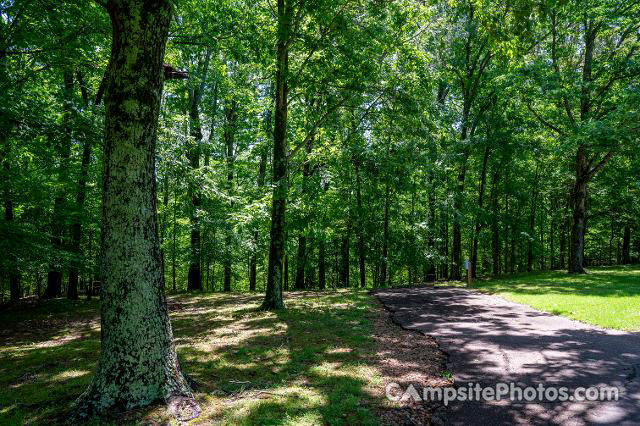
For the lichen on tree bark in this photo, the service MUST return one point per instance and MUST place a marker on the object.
(138, 364)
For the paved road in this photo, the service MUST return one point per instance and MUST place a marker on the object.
(490, 340)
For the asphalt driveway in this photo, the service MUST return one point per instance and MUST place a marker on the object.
(490, 340)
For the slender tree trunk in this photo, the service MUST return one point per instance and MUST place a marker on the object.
(302, 238)
(194, 279)
(54, 277)
(495, 223)
(76, 227)
(626, 246)
(262, 170)
(430, 269)
(138, 363)
(300, 263)
(542, 251)
(229, 137)
(13, 272)
(456, 262)
(444, 235)
(563, 238)
(552, 238)
(175, 235)
(385, 240)
(322, 264)
(578, 200)
(275, 274)
(476, 235)
(360, 216)
(345, 263)
(532, 220)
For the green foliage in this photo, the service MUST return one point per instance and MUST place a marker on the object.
(390, 103)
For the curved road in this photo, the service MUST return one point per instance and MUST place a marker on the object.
(489, 340)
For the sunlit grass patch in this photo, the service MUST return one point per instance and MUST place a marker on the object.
(607, 297)
(309, 364)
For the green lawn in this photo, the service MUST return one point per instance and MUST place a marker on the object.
(607, 297)
(310, 364)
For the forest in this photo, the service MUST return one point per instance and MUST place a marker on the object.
(274, 146)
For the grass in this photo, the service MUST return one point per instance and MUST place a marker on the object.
(608, 297)
(309, 364)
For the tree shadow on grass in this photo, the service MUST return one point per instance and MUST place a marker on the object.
(621, 281)
(308, 364)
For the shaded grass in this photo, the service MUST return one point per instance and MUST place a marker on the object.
(608, 297)
(309, 364)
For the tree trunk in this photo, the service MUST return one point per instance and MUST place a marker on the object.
(54, 277)
(483, 180)
(14, 275)
(262, 170)
(495, 223)
(302, 239)
(138, 364)
(300, 263)
(345, 259)
(385, 240)
(626, 246)
(175, 234)
(76, 227)
(361, 253)
(456, 262)
(275, 274)
(430, 269)
(194, 280)
(322, 279)
(532, 220)
(578, 200)
(229, 138)
(444, 235)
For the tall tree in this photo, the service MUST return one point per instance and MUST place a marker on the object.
(138, 363)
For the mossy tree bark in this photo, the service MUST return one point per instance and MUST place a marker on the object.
(138, 363)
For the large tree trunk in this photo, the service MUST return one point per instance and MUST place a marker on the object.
(275, 273)
(54, 277)
(578, 201)
(138, 363)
